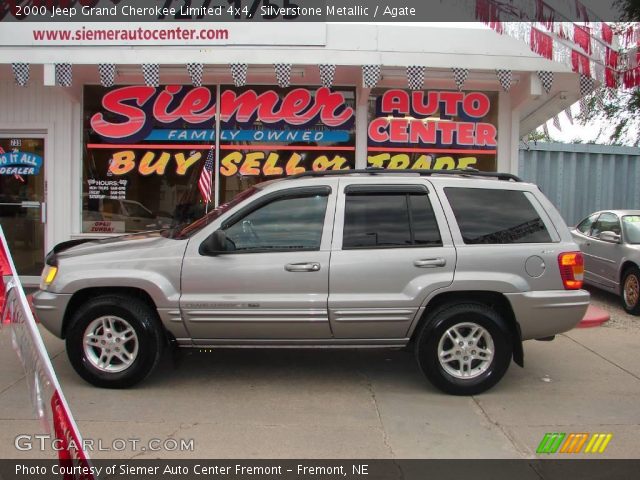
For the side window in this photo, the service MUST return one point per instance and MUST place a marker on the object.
(607, 222)
(585, 225)
(489, 216)
(379, 219)
(287, 223)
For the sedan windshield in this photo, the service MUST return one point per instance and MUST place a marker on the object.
(182, 231)
(631, 225)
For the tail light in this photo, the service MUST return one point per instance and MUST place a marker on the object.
(571, 270)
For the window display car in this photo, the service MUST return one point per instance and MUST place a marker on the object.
(461, 266)
(610, 242)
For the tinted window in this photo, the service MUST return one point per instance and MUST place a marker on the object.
(289, 223)
(378, 220)
(496, 216)
(607, 222)
(631, 225)
(585, 225)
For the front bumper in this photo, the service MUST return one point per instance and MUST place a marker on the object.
(546, 313)
(50, 308)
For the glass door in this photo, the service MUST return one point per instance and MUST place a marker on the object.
(22, 200)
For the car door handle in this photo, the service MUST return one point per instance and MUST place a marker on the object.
(430, 262)
(302, 267)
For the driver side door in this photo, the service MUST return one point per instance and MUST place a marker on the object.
(272, 280)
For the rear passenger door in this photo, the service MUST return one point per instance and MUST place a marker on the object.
(390, 250)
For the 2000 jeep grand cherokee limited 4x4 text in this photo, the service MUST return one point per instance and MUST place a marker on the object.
(462, 267)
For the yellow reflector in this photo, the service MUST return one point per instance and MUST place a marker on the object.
(51, 274)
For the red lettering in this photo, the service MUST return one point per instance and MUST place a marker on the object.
(465, 133)
(135, 117)
(418, 106)
(451, 100)
(295, 103)
(398, 130)
(378, 130)
(395, 101)
(476, 104)
(192, 108)
(486, 134)
(422, 132)
(333, 112)
(447, 129)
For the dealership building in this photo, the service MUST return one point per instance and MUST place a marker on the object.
(104, 137)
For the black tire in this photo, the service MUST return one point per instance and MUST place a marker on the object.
(488, 373)
(632, 276)
(144, 321)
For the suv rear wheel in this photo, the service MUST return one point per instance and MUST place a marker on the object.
(631, 290)
(464, 349)
(114, 341)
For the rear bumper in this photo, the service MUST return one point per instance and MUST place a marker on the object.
(546, 313)
(49, 308)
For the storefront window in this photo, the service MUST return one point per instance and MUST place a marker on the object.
(268, 133)
(432, 129)
(144, 152)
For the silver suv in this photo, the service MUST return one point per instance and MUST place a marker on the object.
(460, 266)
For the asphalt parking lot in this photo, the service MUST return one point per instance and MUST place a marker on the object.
(347, 403)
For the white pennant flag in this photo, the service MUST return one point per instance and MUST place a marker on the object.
(370, 75)
(21, 73)
(283, 74)
(327, 74)
(64, 74)
(151, 74)
(460, 76)
(239, 74)
(107, 73)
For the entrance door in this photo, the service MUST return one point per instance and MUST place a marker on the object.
(22, 196)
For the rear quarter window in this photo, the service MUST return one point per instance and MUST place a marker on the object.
(490, 216)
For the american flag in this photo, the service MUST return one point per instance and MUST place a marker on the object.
(204, 183)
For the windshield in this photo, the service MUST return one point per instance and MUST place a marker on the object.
(631, 225)
(182, 231)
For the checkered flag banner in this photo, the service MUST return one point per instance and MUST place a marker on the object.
(415, 77)
(195, 71)
(151, 74)
(327, 74)
(545, 129)
(64, 74)
(569, 115)
(460, 76)
(584, 105)
(505, 77)
(239, 74)
(107, 72)
(587, 84)
(283, 74)
(21, 73)
(370, 75)
(556, 122)
(546, 78)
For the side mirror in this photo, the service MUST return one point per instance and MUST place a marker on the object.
(215, 244)
(610, 237)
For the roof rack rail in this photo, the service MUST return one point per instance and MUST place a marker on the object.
(471, 172)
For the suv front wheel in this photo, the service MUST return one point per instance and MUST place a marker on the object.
(114, 341)
(464, 349)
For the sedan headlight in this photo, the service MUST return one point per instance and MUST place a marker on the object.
(48, 275)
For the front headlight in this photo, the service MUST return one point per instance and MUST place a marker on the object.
(48, 275)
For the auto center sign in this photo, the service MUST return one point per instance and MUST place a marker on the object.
(432, 129)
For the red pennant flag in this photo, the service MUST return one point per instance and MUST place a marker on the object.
(541, 43)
